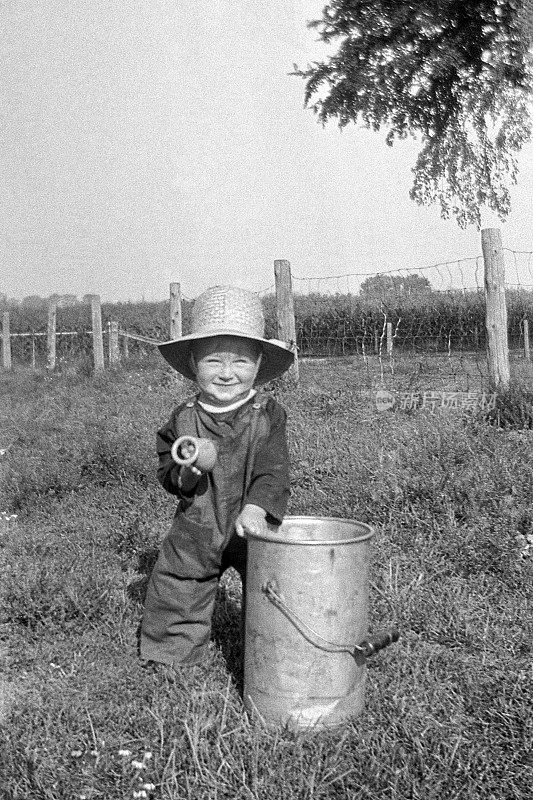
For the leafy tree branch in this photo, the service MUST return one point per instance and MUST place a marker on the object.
(457, 75)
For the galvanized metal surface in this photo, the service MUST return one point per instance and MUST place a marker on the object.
(319, 567)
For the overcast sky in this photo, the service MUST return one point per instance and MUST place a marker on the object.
(145, 141)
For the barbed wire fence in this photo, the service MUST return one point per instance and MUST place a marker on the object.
(400, 326)
(408, 326)
(30, 347)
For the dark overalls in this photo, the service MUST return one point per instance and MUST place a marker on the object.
(252, 467)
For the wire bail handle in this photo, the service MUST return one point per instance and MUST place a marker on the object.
(368, 647)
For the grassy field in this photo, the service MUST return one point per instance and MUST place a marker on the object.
(449, 708)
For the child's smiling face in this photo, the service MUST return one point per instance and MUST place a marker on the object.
(225, 367)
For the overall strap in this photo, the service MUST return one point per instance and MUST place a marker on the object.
(186, 415)
(259, 429)
(260, 423)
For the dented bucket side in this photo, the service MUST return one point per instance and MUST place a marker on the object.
(307, 589)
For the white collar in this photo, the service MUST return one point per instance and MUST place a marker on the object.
(224, 409)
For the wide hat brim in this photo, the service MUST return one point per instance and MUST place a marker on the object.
(277, 356)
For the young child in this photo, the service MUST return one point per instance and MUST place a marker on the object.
(248, 487)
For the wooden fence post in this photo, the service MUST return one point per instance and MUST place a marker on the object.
(389, 338)
(175, 319)
(496, 308)
(125, 346)
(527, 354)
(51, 335)
(114, 352)
(286, 330)
(98, 339)
(175, 311)
(6, 341)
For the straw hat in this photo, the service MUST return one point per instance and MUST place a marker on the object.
(229, 311)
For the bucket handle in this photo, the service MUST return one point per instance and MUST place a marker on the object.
(368, 647)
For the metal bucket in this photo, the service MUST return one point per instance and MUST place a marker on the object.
(306, 606)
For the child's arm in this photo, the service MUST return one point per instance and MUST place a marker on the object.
(268, 494)
(270, 483)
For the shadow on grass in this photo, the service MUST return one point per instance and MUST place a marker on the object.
(228, 633)
(228, 624)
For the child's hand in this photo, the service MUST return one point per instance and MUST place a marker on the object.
(187, 450)
(252, 519)
(189, 477)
